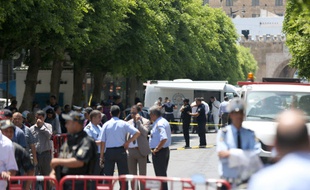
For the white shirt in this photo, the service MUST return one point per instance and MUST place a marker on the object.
(7, 158)
(216, 107)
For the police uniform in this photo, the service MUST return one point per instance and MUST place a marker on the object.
(201, 121)
(94, 131)
(83, 148)
(160, 131)
(241, 144)
(186, 119)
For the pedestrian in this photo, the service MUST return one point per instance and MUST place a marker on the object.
(158, 102)
(18, 122)
(215, 111)
(26, 120)
(13, 106)
(67, 110)
(159, 143)
(186, 119)
(114, 143)
(77, 154)
(57, 110)
(223, 113)
(8, 166)
(118, 102)
(93, 130)
(42, 133)
(86, 112)
(169, 116)
(292, 147)
(104, 118)
(51, 119)
(139, 149)
(237, 147)
(22, 157)
(201, 119)
(19, 136)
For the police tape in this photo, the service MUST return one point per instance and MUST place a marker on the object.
(193, 147)
(193, 124)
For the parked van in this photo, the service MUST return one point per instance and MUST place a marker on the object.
(177, 90)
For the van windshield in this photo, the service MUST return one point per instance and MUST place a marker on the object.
(267, 105)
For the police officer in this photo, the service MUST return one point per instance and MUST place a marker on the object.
(233, 140)
(201, 121)
(78, 153)
(114, 144)
(159, 142)
(186, 119)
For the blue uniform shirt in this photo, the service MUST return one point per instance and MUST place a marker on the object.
(93, 131)
(161, 130)
(19, 137)
(227, 139)
(114, 132)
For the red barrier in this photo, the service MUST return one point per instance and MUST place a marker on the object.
(18, 182)
(97, 182)
(58, 141)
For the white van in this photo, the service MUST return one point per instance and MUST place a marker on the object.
(178, 89)
(264, 101)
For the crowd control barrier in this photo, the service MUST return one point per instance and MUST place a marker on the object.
(58, 141)
(36, 182)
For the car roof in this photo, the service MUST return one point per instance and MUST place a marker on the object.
(277, 88)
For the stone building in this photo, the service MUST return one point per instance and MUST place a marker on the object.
(248, 8)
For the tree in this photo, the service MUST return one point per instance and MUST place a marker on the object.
(246, 61)
(297, 29)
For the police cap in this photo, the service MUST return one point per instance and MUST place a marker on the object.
(74, 116)
(235, 105)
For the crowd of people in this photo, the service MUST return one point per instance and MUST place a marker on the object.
(97, 141)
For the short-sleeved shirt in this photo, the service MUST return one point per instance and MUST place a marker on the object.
(42, 137)
(202, 113)
(161, 130)
(23, 159)
(185, 116)
(19, 137)
(7, 160)
(29, 137)
(168, 107)
(83, 148)
(93, 131)
(114, 132)
(227, 139)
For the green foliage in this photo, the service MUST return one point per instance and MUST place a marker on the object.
(297, 29)
(246, 60)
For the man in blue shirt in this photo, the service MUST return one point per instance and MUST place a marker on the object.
(292, 146)
(235, 143)
(93, 130)
(200, 114)
(114, 144)
(159, 143)
(223, 113)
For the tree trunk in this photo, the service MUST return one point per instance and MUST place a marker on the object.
(132, 90)
(55, 78)
(98, 82)
(79, 75)
(31, 79)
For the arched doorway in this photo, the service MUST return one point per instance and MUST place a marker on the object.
(284, 70)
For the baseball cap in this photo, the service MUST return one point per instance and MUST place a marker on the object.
(74, 116)
(235, 105)
(4, 124)
(5, 114)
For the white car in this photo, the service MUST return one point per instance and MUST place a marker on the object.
(265, 101)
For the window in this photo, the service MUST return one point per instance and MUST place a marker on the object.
(229, 3)
(279, 2)
(255, 2)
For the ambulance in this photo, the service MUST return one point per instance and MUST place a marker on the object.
(265, 100)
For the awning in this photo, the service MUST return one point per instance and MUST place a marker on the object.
(212, 86)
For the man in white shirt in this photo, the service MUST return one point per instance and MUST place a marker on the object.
(215, 111)
(8, 166)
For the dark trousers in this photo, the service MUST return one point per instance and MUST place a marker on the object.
(202, 133)
(170, 118)
(118, 156)
(160, 164)
(186, 132)
(44, 163)
(98, 170)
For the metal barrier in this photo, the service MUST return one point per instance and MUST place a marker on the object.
(36, 182)
(58, 141)
(150, 183)
(87, 182)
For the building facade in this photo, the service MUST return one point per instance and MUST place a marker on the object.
(248, 8)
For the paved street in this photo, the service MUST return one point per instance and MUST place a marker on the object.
(187, 162)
